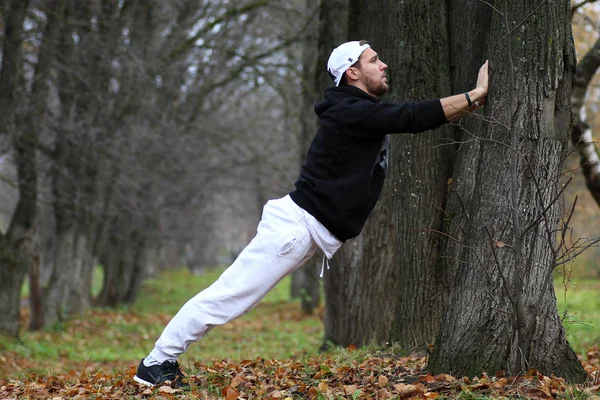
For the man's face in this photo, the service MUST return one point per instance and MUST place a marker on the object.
(373, 73)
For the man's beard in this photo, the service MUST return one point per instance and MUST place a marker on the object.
(378, 90)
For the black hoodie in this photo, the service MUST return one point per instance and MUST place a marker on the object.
(343, 175)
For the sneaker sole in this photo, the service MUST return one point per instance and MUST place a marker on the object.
(143, 382)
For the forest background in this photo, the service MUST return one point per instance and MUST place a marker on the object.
(157, 134)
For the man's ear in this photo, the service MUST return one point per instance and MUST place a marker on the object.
(352, 73)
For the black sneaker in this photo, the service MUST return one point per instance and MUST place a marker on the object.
(160, 374)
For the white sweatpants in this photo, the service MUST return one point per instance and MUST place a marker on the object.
(287, 236)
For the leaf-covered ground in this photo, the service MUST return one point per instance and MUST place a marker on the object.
(269, 353)
(377, 376)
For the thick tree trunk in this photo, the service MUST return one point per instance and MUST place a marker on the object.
(419, 193)
(358, 308)
(358, 286)
(502, 311)
(398, 252)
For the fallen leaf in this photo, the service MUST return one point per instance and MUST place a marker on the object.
(405, 391)
(383, 380)
(545, 389)
(231, 393)
(168, 389)
(384, 394)
(323, 387)
(235, 382)
(350, 389)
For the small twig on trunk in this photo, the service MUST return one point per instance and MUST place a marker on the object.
(526, 18)
(505, 285)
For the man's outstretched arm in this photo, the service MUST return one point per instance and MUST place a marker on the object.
(458, 105)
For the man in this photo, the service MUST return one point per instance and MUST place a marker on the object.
(336, 191)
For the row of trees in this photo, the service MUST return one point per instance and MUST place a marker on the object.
(130, 124)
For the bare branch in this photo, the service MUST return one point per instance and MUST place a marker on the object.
(226, 15)
(578, 6)
(527, 17)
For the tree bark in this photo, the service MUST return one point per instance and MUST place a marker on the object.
(16, 247)
(502, 311)
(124, 265)
(419, 192)
(362, 276)
(72, 178)
(305, 281)
(397, 255)
(35, 123)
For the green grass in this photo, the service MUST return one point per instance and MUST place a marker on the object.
(275, 329)
(579, 305)
(109, 338)
(97, 282)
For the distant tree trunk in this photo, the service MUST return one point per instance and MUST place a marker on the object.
(502, 311)
(139, 261)
(35, 123)
(16, 247)
(69, 173)
(581, 135)
(305, 281)
(124, 261)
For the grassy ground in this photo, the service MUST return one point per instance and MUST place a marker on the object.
(276, 328)
(579, 305)
(111, 341)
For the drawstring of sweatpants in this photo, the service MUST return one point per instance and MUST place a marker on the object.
(325, 262)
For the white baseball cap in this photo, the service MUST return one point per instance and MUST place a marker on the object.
(343, 57)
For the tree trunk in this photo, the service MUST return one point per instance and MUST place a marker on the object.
(419, 194)
(12, 273)
(502, 312)
(63, 274)
(137, 272)
(305, 281)
(398, 251)
(124, 262)
(78, 295)
(16, 247)
(581, 135)
(36, 308)
(35, 123)
(362, 276)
